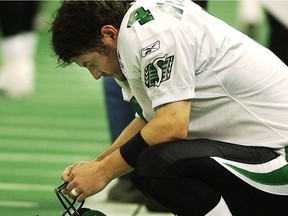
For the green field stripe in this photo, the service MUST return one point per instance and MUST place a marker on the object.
(100, 140)
(46, 121)
(32, 165)
(32, 196)
(42, 158)
(51, 131)
(37, 179)
(51, 134)
(18, 138)
(48, 146)
(52, 110)
(63, 151)
(30, 171)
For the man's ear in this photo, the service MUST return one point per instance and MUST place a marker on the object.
(109, 31)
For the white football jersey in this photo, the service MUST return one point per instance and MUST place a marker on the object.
(172, 50)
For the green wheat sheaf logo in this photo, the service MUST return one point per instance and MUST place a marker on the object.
(158, 71)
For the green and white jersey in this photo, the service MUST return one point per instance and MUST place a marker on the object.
(172, 50)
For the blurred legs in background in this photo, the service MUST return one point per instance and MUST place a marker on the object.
(278, 23)
(18, 46)
(124, 190)
(202, 3)
(251, 14)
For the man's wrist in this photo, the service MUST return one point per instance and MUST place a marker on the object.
(131, 150)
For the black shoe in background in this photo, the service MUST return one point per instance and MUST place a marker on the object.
(124, 191)
(154, 206)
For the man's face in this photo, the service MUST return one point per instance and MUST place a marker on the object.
(101, 64)
(107, 64)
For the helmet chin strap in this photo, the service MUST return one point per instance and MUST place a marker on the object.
(71, 207)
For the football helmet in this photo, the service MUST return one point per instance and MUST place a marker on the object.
(72, 207)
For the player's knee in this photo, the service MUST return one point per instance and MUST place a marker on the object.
(152, 162)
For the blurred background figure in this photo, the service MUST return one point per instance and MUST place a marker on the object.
(252, 12)
(120, 113)
(250, 15)
(278, 21)
(18, 46)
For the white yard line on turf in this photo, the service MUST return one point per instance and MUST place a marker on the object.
(26, 187)
(18, 204)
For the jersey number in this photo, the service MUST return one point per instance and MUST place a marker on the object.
(141, 15)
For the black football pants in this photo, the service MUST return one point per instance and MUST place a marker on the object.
(186, 180)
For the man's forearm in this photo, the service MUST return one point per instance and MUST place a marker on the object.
(115, 165)
(171, 122)
(133, 128)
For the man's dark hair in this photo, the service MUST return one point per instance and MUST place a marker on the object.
(77, 26)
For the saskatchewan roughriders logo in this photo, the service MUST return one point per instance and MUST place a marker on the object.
(158, 71)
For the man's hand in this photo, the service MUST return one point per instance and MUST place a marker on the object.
(85, 179)
(88, 178)
(68, 170)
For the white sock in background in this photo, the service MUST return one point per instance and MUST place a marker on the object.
(17, 73)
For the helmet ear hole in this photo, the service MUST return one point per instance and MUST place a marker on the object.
(93, 213)
(81, 212)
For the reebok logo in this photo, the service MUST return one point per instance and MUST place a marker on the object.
(150, 49)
